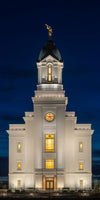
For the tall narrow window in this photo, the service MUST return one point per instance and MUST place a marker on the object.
(19, 146)
(81, 183)
(19, 183)
(49, 142)
(49, 73)
(19, 165)
(49, 164)
(81, 146)
(81, 165)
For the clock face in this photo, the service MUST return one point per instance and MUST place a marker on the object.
(49, 117)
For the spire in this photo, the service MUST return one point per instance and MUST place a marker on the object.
(49, 48)
(49, 30)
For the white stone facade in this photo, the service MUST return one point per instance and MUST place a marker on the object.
(68, 135)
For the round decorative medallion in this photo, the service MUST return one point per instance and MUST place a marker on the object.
(49, 117)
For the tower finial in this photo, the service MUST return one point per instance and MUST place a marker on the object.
(49, 30)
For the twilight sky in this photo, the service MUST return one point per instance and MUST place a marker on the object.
(76, 33)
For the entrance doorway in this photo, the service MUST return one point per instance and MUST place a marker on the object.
(49, 183)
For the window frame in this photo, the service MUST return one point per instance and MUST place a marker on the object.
(81, 183)
(47, 164)
(19, 183)
(19, 149)
(52, 143)
(19, 163)
(49, 73)
(80, 148)
(81, 166)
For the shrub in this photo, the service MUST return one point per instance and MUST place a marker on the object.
(96, 185)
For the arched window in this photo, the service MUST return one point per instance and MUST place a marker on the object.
(81, 146)
(19, 147)
(49, 72)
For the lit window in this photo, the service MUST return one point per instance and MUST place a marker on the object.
(49, 73)
(49, 164)
(19, 183)
(49, 142)
(19, 147)
(81, 183)
(19, 165)
(81, 165)
(81, 146)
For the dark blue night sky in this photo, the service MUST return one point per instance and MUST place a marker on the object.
(76, 33)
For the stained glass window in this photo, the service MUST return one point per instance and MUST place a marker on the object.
(49, 164)
(49, 142)
(49, 117)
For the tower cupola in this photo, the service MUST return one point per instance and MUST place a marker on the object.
(49, 64)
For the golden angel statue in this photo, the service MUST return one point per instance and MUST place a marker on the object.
(49, 29)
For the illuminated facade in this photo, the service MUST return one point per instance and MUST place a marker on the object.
(50, 151)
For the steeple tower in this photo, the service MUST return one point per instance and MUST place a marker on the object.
(50, 65)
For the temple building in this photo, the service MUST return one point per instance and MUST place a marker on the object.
(50, 151)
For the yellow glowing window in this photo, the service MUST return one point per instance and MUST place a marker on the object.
(81, 146)
(49, 164)
(81, 165)
(81, 183)
(19, 183)
(19, 147)
(49, 142)
(19, 165)
(49, 72)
